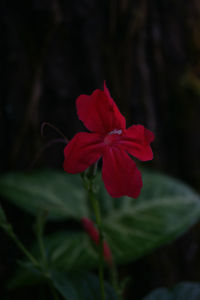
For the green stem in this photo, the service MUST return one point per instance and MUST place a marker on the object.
(39, 230)
(42, 248)
(95, 205)
(13, 236)
(114, 280)
(39, 233)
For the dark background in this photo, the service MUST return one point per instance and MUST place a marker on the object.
(148, 51)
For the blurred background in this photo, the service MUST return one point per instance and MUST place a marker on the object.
(149, 54)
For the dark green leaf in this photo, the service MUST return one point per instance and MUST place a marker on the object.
(57, 193)
(182, 291)
(27, 274)
(159, 294)
(70, 251)
(83, 286)
(165, 209)
(66, 251)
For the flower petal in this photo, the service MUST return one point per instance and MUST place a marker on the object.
(106, 90)
(136, 141)
(120, 174)
(82, 151)
(99, 113)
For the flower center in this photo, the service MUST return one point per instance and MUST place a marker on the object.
(113, 136)
(115, 131)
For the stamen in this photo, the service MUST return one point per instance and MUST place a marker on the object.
(116, 131)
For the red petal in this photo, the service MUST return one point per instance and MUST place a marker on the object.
(106, 90)
(99, 113)
(82, 151)
(120, 174)
(136, 141)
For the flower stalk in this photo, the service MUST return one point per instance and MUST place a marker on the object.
(39, 230)
(95, 205)
(9, 230)
(41, 266)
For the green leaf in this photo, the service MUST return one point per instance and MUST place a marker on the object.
(83, 286)
(73, 285)
(165, 209)
(70, 251)
(65, 251)
(59, 194)
(159, 294)
(26, 275)
(132, 227)
(183, 291)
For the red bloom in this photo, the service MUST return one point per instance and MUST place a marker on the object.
(109, 139)
(94, 235)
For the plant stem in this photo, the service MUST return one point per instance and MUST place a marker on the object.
(114, 280)
(7, 227)
(95, 205)
(12, 235)
(42, 248)
(40, 222)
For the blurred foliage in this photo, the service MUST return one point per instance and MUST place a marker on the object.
(182, 291)
(165, 209)
(83, 286)
(56, 193)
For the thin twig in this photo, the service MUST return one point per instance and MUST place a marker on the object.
(44, 124)
(49, 144)
(96, 208)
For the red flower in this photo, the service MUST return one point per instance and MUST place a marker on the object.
(109, 139)
(94, 235)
